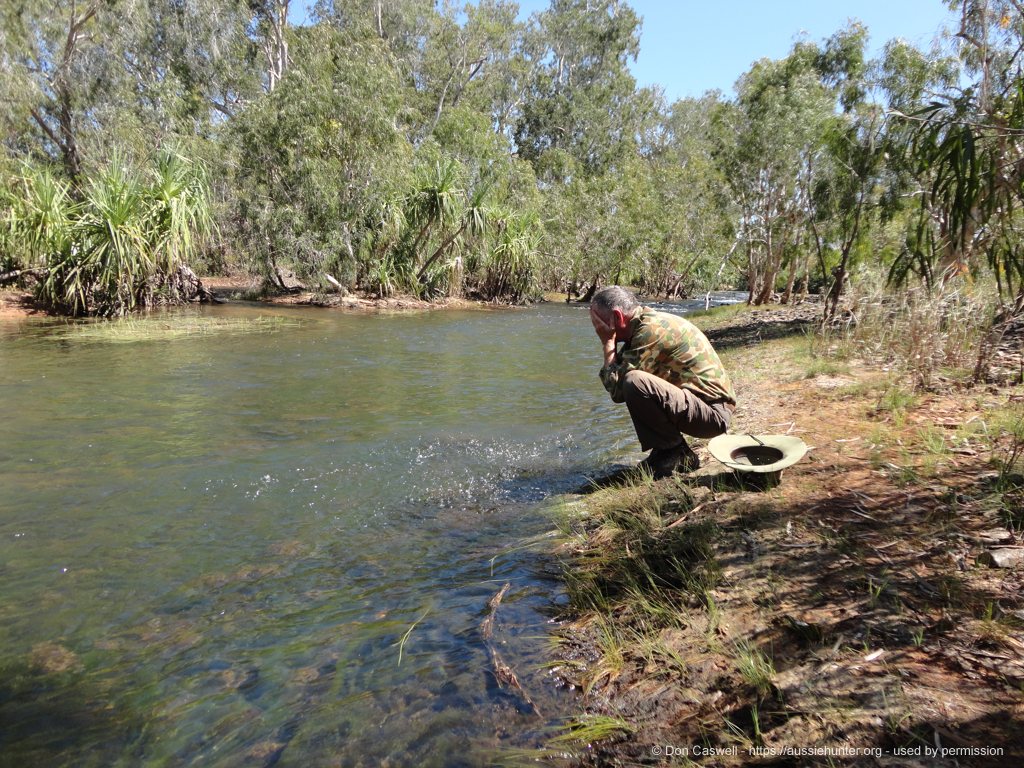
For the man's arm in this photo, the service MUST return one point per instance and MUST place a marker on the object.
(610, 375)
(606, 334)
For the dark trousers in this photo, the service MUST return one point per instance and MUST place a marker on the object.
(663, 412)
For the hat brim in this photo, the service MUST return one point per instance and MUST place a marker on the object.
(757, 453)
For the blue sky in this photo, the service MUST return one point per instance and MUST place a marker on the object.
(691, 46)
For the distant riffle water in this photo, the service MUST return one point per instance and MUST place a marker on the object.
(277, 547)
(697, 303)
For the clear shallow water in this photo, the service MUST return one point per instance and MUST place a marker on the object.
(277, 548)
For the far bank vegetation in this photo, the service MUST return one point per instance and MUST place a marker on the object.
(441, 150)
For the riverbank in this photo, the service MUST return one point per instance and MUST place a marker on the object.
(15, 303)
(854, 610)
(249, 288)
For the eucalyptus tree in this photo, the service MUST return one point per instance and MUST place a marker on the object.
(908, 79)
(580, 99)
(967, 149)
(691, 212)
(312, 158)
(781, 110)
(83, 78)
(847, 192)
(847, 176)
(588, 233)
(468, 60)
(404, 26)
(269, 28)
(54, 59)
(206, 59)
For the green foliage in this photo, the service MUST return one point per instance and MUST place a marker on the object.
(121, 245)
(436, 149)
(588, 729)
(963, 153)
(313, 156)
(38, 208)
(510, 271)
(755, 667)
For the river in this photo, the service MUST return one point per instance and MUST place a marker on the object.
(274, 543)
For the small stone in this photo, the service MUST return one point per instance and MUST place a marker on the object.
(994, 537)
(1003, 557)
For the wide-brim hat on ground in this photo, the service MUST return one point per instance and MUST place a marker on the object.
(760, 454)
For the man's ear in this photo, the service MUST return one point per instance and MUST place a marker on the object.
(619, 318)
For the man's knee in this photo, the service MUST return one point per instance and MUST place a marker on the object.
(637, 384)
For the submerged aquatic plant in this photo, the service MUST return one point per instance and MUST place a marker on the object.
(168, 327)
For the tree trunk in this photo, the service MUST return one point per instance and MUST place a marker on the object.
(440, 249)
(794, 261)
(275, 46)
(591, 290)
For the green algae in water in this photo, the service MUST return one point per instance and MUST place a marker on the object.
(171, 327)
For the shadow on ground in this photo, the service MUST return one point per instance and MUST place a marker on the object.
(759, 331)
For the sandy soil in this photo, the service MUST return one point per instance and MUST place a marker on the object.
(15, 303)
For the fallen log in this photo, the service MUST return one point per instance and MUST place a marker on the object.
(14, 274)
(337, 286)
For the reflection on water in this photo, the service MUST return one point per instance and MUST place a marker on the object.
(278, 548)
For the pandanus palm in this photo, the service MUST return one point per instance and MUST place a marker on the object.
(108, 260)
(124, 239)
(473, 221)
(511, 268)
(386, 224)
(434, 201)
(37, 209)
(180, 209)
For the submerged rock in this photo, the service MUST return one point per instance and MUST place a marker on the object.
(289, 548)
(52, 658)
(265, 752)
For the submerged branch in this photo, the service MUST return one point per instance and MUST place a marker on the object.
(503, 673)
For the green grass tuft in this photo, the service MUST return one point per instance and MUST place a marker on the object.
(755, 667)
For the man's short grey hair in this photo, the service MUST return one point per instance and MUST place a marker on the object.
(614, 297)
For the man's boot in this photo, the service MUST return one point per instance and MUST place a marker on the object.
(664, 462)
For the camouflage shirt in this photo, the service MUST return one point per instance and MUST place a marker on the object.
(671, 348)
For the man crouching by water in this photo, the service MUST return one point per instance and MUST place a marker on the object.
(667, 374)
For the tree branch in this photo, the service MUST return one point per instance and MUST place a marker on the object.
(47, 129)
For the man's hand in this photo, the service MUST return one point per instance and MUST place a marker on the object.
(606, 333)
